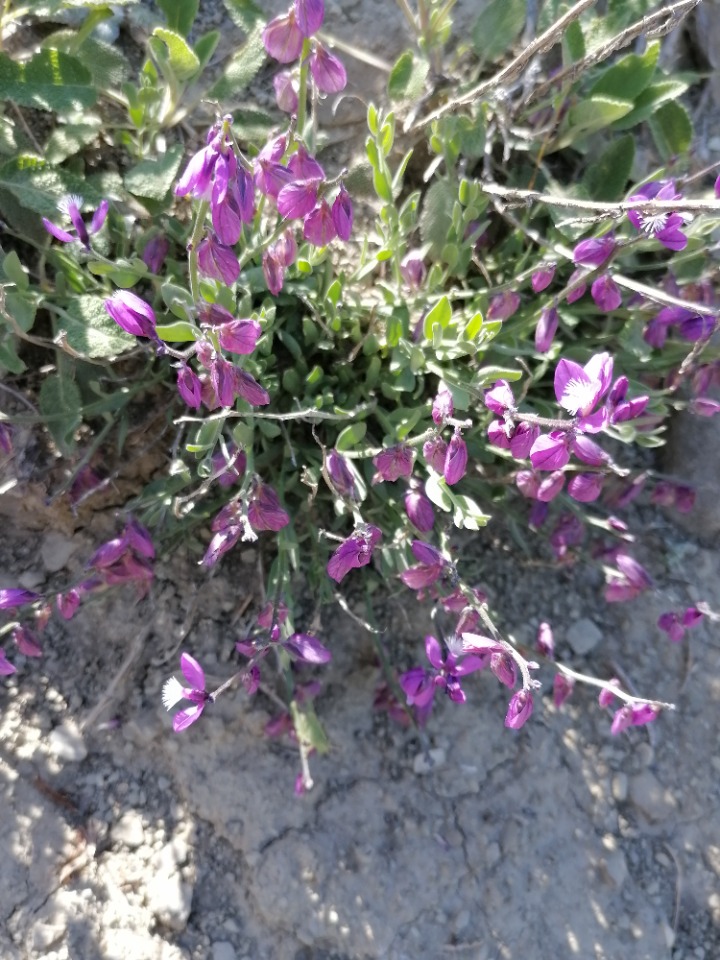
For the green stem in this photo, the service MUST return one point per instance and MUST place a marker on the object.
(302, 92)
(193, 245)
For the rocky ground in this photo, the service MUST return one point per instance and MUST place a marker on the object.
(124, 841)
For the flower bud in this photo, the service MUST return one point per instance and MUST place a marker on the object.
(543, 277)
(456, 459)
(419, 511)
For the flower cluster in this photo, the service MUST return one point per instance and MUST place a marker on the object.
(286, 40)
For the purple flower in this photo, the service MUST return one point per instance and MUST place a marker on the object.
(675, 624)
(519, 710)
(717, 188)
(297, 199)
(550, 451)
(71, 207)
(155, 251)
(666, 226)
(546, 329)
(342, 214)
(239, 336)
(319, 226)
(196, 179)
(26, 642)
(6, 435)
(586, 487)
(173, 692)
(229, 471)
(606, 293)
(6, 668)
(550, 486)
(305, 647)
(304, 167)
(562, 688)
(217, 261)
(629, 582)
(577, 289)
(523, 437)
(579, 389)
(9, 599)
(310, 15)
(504, 667)
(286, 91)
(443, 407)
(594, 252)
(419, 689)
(68, 603)
(499, 398)
(412, 269)
(635, 715)
(271, 176)
(543, 277)
(419, 510)
(606, 697)
(265, 511)
(189, 386)
(393, 463)
(133, 314)
(327, 71)
(233, 201)
(456, 459)
(503, 306)
(588, 451)
(704, 406)
(222, 541)
(340, 475)
(545, 642)
(276, 259)
(354, 552)
(434, 452)
(283, 38)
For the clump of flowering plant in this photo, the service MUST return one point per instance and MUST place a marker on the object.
(357, 398)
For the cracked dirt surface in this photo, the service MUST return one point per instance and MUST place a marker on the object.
(555, 841)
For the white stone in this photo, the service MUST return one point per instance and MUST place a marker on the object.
(583, 636)
(66, 743)
(129, 830)
(56, 550)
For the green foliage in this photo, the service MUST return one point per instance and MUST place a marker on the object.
(497, 28)
(50, 80)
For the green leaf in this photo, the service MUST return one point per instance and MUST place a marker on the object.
(438, 492)
(626, 79)
(123, 273)
(441, 314)
(205, 47)
(468, 514)
(69, 139)
(9, 360)
(39, 186)
(242, 68)
(245, 14)
(606, 178)
(108, 67)
(91, 332)
(21, 309)
(308, 728)
(152, 179)
(436, 216)
(180, 14)
(497, 27)
(407, 77)
(649, 101)
(590, 116)
(60, 403)
(180, 58)
(180, 332)
(672, 130)
(14, 272)
(351, 436)
(491, 374)
(573, 43)
(50, 80)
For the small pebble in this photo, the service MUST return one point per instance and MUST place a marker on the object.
(66, 743)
